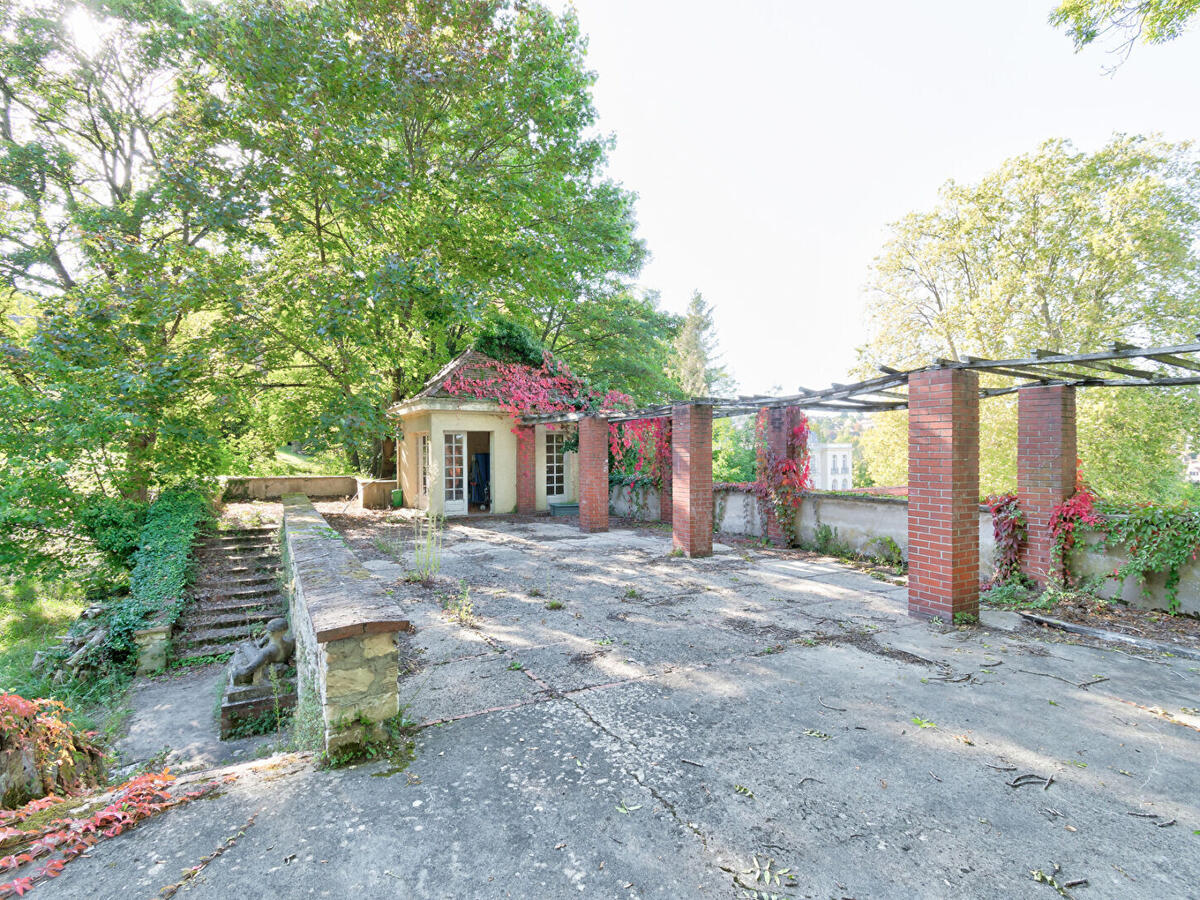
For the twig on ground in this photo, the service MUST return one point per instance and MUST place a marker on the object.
(934, 777)
(690, 763)
(1030, 778)
(827, 706)
(1079, 684)
(1001, 768)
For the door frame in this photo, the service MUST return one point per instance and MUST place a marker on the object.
(454, 483)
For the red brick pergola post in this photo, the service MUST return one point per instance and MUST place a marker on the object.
(776, 436)
(526, 466)
(593, 474)
(665, 508)
(691, 467)
(1046, 458)
(943, 494)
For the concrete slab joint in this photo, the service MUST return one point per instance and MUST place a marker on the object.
(346, 627)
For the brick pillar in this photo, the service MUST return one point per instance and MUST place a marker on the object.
(775, 433)
(1046, 457)
(526, 467)
(593, 474)
(691, 467)
(943, 494)
(665, 505)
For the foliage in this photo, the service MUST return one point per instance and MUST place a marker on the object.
(427, 549)
(115, 525)
(889, 552)
(1055, 249)
(1158, 540)
(523, 390)
(1009, 529)
(734, 453)
(1065, 518)
(161, 567)
(60, 759)
(784, 477)
(694, 364)
(508, 341)
(827, 541)
(640, 451)
(65, 839)
(1150, 21)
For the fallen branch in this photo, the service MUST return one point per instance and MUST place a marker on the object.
(827, 706)
(1079, 684)
(171, 889)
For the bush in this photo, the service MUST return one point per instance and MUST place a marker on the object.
(161, 566)
(114, 525)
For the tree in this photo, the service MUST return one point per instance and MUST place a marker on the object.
(1059, 250)
(419, 165)
(695, 365)
(1150, 21)
(115, 363)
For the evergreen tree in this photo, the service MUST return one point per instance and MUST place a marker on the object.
(696, 361)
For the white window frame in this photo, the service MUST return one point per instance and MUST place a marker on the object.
(555, 466)
(423, 460)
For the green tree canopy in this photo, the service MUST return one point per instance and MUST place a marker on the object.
(1148, 21)
(696, 361)
(1060, 250)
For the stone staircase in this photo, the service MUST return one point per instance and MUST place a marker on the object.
(235, 594)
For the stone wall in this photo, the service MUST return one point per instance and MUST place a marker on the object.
(376, 493)
(639, 502)
(273, 487)
(346, 626)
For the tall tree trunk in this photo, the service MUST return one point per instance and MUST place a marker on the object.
(137, 466)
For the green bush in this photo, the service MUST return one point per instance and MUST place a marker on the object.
(161, 566)
(114, 525)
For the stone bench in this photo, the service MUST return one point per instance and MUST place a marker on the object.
(345, 624)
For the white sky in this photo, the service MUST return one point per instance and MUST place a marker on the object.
(771, 141)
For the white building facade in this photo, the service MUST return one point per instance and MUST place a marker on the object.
(831, 466)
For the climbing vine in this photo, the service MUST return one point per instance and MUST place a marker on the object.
(1157, 539)
(783, 478)
(1009, 528)
(640, 450)
(1065, 518)
(65, 839)
(523, 390)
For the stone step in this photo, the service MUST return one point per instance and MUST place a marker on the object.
(204, 620)
(240, 547)
(221, 581)
(199, 651)
(253, 604)
(224, 635)
(259, 561)
(266, 590)
(248, 712)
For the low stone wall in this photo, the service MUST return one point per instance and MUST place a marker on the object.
(274, 487)
(345, 625)
(861, 520)
(376, 493)
(634, 502)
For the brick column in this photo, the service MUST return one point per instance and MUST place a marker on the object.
(665, 504)
(593, 474)
(1046, 457)
(775, 433)
(526, 467)
(943, 494)
(691, 466)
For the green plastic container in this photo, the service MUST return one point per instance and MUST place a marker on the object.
(397, 499)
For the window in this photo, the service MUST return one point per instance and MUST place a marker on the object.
(454, 474)
(423, 462)
(556, 464)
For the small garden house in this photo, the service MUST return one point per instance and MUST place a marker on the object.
(460, 451)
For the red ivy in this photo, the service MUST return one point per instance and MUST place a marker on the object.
(649, 442)
(1076, 510)
(524, 390)
(1010, 530)
(65, 839)
(783, 478)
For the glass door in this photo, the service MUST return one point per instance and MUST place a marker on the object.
(454, 473)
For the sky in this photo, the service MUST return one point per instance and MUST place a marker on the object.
(770, 142)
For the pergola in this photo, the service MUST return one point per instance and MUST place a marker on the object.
(943, 453)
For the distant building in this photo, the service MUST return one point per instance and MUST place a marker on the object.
(1193, 471)
(830, 466)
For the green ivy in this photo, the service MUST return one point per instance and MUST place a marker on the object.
(161, 566)
(1157, 539)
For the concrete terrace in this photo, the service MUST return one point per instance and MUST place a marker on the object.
(682, 726)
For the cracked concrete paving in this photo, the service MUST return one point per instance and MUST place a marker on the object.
(678, 719)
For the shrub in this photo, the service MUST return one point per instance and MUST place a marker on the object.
(53, 758)
(114, 525)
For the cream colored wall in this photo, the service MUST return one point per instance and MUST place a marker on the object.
(408, 463)
(539, 470)
(504, 455)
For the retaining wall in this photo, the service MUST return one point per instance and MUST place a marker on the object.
(345, 624)
(274, 487)
(862, 520)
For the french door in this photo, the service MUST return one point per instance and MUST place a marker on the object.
(454, 473)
